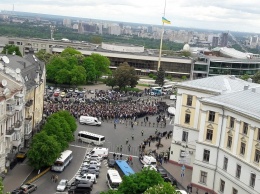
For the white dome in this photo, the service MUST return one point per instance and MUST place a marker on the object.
(186, 47)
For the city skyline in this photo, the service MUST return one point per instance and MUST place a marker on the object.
(223, 15)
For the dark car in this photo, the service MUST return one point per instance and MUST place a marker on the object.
(171, 180)
(89, 171)
(111, 162)
(162, 172)
(28, 188)
(80, 188)
(87, 182)
(17, 191)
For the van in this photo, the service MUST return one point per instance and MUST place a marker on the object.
(103, 152)
(148, 160)
(88, 120)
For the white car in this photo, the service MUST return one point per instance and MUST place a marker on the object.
(172, 97)
(62, 185)
(76, 90)
(89, 177)
(94, 157)
(93, 162)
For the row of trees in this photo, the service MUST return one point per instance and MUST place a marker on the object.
(71, 67)
(54, 138)
(146, 181)
(255, 78)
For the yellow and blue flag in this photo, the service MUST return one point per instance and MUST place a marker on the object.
(164, 20)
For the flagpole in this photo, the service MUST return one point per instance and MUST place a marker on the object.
(160, 51)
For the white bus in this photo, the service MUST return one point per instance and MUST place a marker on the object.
(167, 88)
(63, 161)
(113, 179)
(91, 138)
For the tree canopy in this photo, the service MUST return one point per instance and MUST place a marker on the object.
(11, 49)
(138, 182)
(160, 77)
(256, 78)
(163, 188)
(71, 67)
(125, 75)
(54, 138)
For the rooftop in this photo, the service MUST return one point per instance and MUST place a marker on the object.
(218, 84)
(246, 101)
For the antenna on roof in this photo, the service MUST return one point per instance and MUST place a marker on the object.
(17, 70)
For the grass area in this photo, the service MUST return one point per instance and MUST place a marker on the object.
(145, 85)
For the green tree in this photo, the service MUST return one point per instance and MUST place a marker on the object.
(101, 64)
(69, 118)
(184, 77)
(69, 51)
(110, 81)
(10, 49)
(185, 53)
(1, 186)
(44, 150)
(44, 56)
(160, 77)
(125, 76)
(96, 39)
(162, 188)
(245, 77)
(256, 77)
(63, 76)
(140, 182)
(89, 66)
(78, 75)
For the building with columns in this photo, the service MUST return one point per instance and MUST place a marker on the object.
(196, 141)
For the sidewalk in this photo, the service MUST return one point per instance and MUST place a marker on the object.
(15, 177)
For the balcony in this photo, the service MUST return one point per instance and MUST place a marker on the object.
(10, 132)
(28, 135)
(18, 126)
(18, 106)
(17, 142)
(29, 103)
(10, 107)
(28, 128)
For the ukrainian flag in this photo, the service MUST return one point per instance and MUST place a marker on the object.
(164, 20)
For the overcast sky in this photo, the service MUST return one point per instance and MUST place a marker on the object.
(234, 15)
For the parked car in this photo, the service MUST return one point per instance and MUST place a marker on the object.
(62, 185)
(90, 177)
(93, 167)
(162, 172)
(92, 162)
(111, 162)
(171, 180)
(84, 170)
(63, 94)
(80, 188)
(17, 191)
(28, 188)
(56, 94)
(86, 182)
(94, 157)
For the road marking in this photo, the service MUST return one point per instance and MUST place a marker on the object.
(79, 146)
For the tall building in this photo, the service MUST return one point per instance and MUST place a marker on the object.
(208, 111)
(114, 30)
(67, 22)
(215, 40)
(224, 39)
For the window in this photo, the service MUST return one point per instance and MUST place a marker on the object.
(222, 186)
(206, 155)
(258, 134)
(238, 171)
(242, 148)
(234, 191)
(229, 142)
(245, 128)
(209, 134)
(232, 122)
(187, 118)
(189, 100)
(211, 116)
(203, 177)
(185, 135)
(252, 180)
(225, 163)
(257, 156)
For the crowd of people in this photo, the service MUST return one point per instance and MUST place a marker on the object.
(104, 110)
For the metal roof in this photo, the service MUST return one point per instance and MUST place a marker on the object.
(246, 101)
(219, 84)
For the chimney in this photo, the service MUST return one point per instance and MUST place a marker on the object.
(246, 87)
(254, 90)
